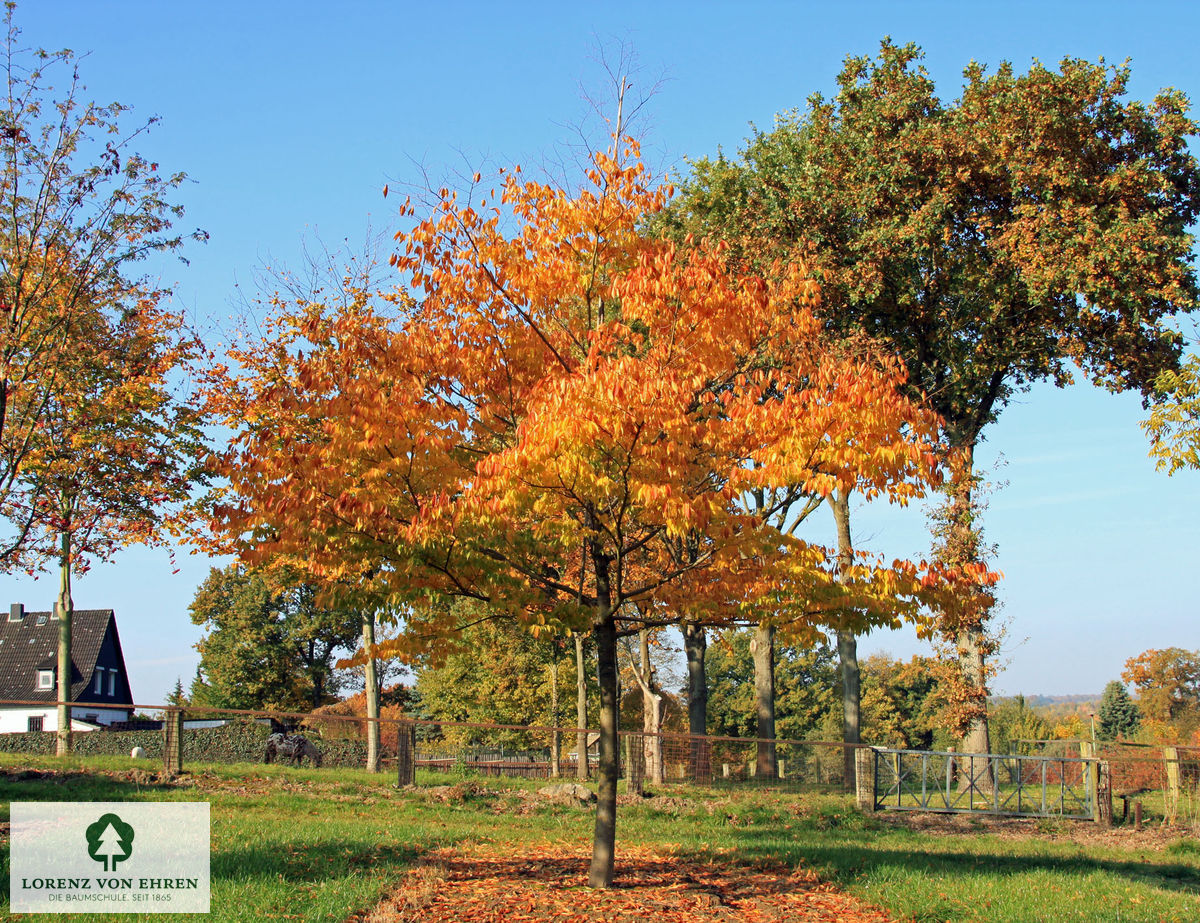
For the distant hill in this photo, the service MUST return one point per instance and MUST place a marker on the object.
(1055, 708)
(1037, 700)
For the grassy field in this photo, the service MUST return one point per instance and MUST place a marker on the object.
(322, 845)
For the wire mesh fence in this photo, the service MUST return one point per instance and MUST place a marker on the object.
(429, 750)
(424, 752)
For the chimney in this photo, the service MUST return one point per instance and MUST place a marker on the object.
(54, 610)
(16, 612)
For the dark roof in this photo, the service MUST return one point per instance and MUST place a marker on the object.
(27, 646)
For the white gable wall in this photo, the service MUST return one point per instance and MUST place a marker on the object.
(16, 720)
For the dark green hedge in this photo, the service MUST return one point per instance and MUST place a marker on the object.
(238, 742)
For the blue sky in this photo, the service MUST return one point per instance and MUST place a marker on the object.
(290, 117)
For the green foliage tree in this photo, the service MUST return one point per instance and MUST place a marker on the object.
(177, 696)
(1037, 223)
(117, 455)
(270, 645)
(1118, 714)
(1013, 722)
(902, 702)
(805, 687)
(497, 673)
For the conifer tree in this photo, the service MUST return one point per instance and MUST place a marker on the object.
(1119, 715)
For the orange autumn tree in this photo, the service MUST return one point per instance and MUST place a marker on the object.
(563, 422)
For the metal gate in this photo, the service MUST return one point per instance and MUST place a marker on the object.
(1023, 786)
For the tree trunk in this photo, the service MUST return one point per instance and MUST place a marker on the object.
(974, 772)
(581, 712)
(847, 649)
(962, 546)
(851, 704)
(600, 874)
(695, 644)
(763, 648)
(652, 713)
(66, 611)
(555, 767)
(317, 675)
(371, 688)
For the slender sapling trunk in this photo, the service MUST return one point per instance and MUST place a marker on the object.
(371, 689)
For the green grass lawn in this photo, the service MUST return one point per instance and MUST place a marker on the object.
(323, 844)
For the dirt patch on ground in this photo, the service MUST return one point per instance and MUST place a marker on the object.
(67, 776)
(1085, 833)
(489, 885)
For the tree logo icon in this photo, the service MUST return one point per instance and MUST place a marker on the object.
(110, 840)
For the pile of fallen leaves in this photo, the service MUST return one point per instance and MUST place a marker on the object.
(483, 884)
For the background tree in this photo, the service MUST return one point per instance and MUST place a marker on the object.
(1167, 683)
(1174, 423)
(270, 644)
(1118, 714)
(847, 646)
(902, 702)
(1015, 725)
(583, 764)
(1038, 222)
(644, 672)
(78, 208)
(805, 688)
(177, 696)
(495, 673)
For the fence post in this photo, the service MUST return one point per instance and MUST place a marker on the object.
(406, 754)
(173, 741)
(700, 759)
(1102, 786)
(1171, 764)
(635, 763)
(864, 776)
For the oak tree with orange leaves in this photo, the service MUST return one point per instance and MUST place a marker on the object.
(1167, 683)
(561, 417)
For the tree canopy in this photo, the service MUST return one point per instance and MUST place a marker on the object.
(270, 643)
(561, 425)
(78, 208)
(1174, 423)
(1167, 683)
(1038, 221)
(1035, 224)
(1118, 714)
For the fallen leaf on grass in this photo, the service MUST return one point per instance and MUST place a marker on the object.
(547, 882)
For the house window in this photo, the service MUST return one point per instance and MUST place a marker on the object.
(45, 679)
(112, 682)
(99, 687)
(35, 722)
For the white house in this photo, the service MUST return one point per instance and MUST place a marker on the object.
(29, 666)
